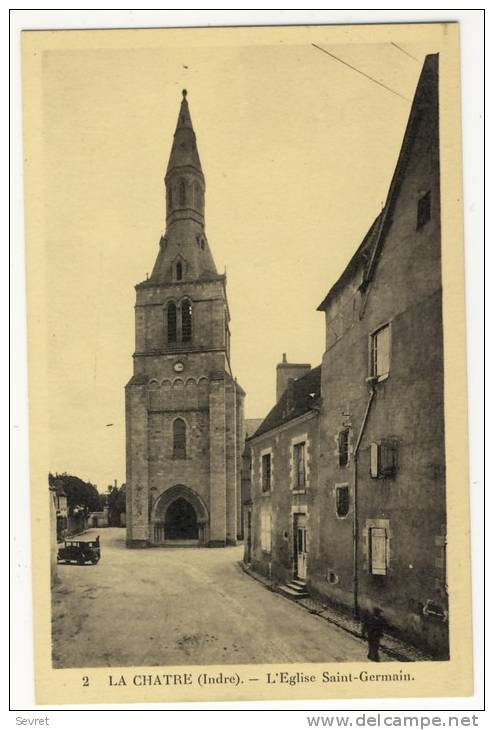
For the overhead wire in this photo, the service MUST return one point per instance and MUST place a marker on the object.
(362, 73)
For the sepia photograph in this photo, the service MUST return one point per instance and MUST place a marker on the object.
(246, 362)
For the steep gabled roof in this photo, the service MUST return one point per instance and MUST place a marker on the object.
(300, 397)
(425, 103)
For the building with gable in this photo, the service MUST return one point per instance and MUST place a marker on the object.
(184, 408)
(373, 465)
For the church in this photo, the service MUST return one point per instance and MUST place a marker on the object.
(184, 409)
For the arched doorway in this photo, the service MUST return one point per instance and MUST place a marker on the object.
(179, 516)
(181, 521)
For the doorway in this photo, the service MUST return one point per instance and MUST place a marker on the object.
(300, 541)
(181, 521)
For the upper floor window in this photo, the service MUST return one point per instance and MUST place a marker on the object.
(186, 321)
(266, 472)
(299, 465)
(423, 210)
(170, 199)
(179, 439)
(342, 501)
(343, 451)
(171, 321)
(380, 352)
(179, 271)
(181, 193)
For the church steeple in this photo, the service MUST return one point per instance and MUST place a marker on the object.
(184, 251)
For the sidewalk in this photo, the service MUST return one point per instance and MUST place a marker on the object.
(390, 645)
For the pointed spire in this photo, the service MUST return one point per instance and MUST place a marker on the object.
(184, 253)
(184, 150)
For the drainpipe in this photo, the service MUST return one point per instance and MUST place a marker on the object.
(372, 391)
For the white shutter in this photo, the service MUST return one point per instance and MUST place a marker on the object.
(382, 344)
(374, 454)
(378, 549)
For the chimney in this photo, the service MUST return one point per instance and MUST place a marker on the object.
(286, 371)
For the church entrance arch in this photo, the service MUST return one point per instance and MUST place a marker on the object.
(179, 517)
(181, 521)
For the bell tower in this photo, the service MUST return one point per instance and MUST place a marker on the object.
(184, 408)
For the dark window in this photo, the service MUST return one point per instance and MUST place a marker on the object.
(380, 353)
(202, 243)
(179, 271)
(342, 501)
(299, 465)
(343, 447)
(182, 198)
(179, 450)
(266, 472)
(384, 459)
(170, 199)
(171, 321)
(424, 210)
(186, 321)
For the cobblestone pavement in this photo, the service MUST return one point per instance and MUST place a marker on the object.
(182, 606)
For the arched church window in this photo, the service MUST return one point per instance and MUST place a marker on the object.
(171, 322)
(186, 321)
(181, 193)
(179, 439)
(179, 271)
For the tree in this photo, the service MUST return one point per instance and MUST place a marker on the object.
(116, 505)
(81, 496)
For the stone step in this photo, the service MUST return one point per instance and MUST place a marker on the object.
(299, 582)
(293, 592)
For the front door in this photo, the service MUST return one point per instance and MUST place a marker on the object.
(301, 546)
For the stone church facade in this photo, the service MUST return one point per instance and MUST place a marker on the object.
(184, 408)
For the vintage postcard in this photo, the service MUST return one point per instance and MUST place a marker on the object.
(247, 381)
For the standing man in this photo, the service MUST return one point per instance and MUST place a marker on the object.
(373, 629)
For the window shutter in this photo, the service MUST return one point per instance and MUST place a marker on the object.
(374, 451)
(378, 545)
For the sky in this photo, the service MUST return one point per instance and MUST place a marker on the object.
(297, 150)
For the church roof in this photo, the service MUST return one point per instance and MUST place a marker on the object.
(301, 396)
(184, 149)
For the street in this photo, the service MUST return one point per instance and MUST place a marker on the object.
(181, 606)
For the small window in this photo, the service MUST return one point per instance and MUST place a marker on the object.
(266, 472)
(423, 210)
(380, 352)
(182, 194)
(202, 244)
(179, 445)
(266, 530)
(179, 271)
(378, 551)
(383, 459)
(171, 319)
(343, 453)
(186, 321)
(170, 199)
(299, 465)
(342, 501)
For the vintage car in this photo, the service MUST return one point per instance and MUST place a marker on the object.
(79, 551)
